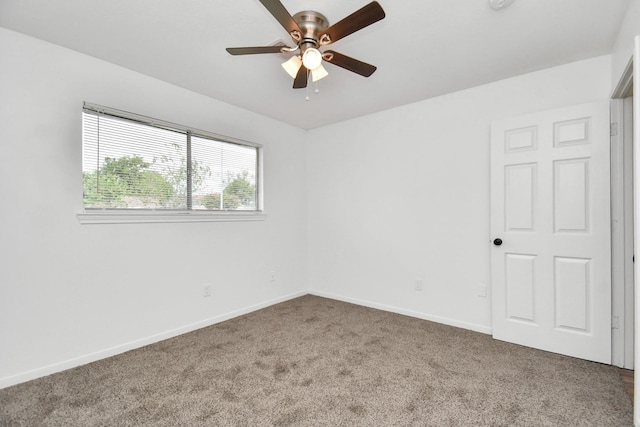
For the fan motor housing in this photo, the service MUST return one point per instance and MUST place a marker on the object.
(312, 25)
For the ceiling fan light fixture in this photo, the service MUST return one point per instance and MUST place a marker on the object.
(312, 58)
(318, 73)
(310, 30)
(292, 65)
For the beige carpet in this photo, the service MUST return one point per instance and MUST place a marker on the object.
(314, 361)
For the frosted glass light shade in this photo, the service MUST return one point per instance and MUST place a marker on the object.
(292, 65)
(312, 58)
(318, 73)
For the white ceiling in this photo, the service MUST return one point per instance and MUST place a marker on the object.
(423, 48)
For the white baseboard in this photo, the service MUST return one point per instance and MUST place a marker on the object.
(108, 352)
(438, 319)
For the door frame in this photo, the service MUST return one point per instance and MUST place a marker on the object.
(622, 298)
(636, 193)
(631, 79)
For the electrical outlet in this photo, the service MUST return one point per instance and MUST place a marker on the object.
(206, 291)
(482, 290)
(417, 284)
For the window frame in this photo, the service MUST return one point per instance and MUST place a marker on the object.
(143, 215)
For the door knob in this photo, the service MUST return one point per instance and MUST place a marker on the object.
(497, 242)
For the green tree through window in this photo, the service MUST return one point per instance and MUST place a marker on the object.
(238, 192)
(124, 182)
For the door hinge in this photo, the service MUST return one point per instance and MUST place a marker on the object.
(613, 129)
(615, 322)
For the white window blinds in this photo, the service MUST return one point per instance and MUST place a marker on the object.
(135, 162)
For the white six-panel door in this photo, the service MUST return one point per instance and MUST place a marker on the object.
(551, 276)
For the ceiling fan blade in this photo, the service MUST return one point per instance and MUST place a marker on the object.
(281, 14)
(349, 63)
(356, 21)
(253, 50)
(300, 82)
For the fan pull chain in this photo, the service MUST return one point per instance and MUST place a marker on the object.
(307, 88)
(315, 90)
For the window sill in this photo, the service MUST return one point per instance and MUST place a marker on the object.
(151, 217)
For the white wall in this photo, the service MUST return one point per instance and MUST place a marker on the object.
(404, 194)
(623, 48)
(72, 293)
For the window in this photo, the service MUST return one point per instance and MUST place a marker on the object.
(131, 162)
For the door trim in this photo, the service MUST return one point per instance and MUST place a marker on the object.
(636, 194)
(621, 229)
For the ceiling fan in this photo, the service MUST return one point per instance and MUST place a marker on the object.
(309, 31)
